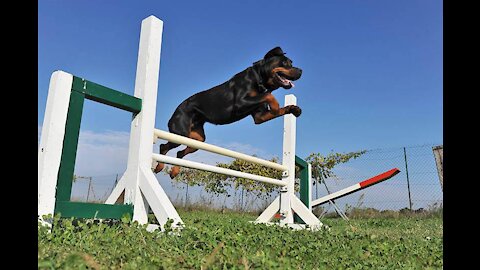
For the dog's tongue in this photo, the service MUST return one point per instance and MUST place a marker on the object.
(285, 80)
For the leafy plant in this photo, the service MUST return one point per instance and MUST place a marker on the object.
(322, 166)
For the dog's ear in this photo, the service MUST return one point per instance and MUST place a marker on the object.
(277, 51)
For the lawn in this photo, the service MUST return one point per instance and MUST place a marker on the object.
(214, 240)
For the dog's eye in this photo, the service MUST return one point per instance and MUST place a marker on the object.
(285, 63)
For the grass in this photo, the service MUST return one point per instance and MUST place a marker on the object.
(216, 240)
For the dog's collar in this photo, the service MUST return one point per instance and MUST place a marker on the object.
(261, 87)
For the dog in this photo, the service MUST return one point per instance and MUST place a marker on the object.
(246, 93)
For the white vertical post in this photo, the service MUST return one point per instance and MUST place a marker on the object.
(51, 141)
(289, 136)
(139, 183)
(141, 139)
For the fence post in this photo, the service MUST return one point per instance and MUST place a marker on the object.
(438, 153)
(241, 204)
(186, 196)
(408, 180)
(89, 187)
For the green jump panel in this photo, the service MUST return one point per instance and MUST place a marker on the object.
(304, 187)
(70, 144)
(301, 163)
(107, 96)
(92, 210)
(81, 90)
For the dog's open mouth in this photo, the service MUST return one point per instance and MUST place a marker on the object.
(282, 79)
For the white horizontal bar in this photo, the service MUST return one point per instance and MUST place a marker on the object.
(210, 168)
(174, 138)
(335, 195)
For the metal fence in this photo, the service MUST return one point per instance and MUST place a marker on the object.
(417, 186)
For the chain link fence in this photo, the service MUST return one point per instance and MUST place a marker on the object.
(417, 187)
(95, 189)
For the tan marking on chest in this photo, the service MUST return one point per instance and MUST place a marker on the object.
(252, 93)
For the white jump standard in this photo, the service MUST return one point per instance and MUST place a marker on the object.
(58, 144)
(287, 203)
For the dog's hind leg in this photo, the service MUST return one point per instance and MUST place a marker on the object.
(179, 124)
(164, 148)
(198, 134)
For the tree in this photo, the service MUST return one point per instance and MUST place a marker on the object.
(322, 166)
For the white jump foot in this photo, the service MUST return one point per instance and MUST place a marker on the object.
(296, 226)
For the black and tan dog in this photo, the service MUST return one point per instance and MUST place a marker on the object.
(247, 93)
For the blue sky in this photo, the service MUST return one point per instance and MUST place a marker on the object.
(372, 70)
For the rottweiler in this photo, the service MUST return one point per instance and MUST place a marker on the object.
(246, 93)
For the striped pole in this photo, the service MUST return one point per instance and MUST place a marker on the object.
(359, 186)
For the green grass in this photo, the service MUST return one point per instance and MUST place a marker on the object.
(213, 240)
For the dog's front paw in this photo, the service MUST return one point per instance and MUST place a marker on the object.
(295, 110)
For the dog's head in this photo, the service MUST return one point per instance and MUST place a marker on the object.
(277, 71)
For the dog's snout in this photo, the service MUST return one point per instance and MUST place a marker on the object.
(298, 73)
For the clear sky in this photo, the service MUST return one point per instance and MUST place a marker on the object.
(372, 70)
